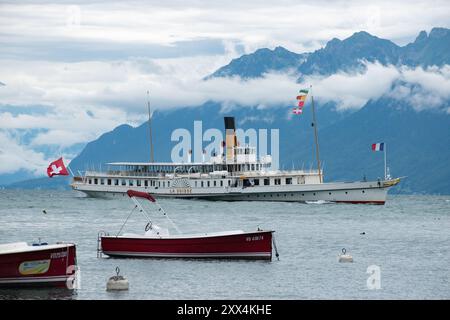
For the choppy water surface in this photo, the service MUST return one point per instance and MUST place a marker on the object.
(408, 238)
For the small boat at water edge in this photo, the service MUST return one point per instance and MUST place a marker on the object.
(40, 265)
(158, 243)
(229, 245)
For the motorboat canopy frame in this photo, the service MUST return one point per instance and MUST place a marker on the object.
(145, 195)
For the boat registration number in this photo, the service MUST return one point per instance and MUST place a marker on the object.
(56, 255)
(254, 238)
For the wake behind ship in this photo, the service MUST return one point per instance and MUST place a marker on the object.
(235, 174)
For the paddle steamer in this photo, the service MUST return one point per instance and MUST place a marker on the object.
(234, 174)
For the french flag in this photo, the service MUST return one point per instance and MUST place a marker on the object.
(378, 146)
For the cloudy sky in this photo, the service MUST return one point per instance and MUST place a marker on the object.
(71, 70)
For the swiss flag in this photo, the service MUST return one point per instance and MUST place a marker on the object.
(57, 168)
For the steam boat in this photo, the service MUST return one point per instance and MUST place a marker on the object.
(235, 174)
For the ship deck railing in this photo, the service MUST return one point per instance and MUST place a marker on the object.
(196, 175)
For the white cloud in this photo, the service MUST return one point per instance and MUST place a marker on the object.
(433, 79)
(353, 90)
(115, 92)
(14, 156)
(424, 89)
(297, 25)
(61, 138)
(65, 127)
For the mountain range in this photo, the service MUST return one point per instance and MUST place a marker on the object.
(417, 140)
(344, 55)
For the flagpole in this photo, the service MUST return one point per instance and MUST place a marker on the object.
(70, 170)
(68, 167)
(315, 135)
(150, 126)
(385, 167)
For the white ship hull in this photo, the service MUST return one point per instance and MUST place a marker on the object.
(372, 192)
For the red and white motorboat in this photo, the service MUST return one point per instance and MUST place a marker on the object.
(157, 242)
(37, 265)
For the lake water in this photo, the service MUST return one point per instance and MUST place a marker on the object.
(408, 239)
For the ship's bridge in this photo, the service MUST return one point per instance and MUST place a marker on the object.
(245, 154)
(241, 155)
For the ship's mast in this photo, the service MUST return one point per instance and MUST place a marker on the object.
(150, 127)
(385, 167)
(314, 124)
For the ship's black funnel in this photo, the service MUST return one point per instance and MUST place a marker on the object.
(230, 138)
(229, 123)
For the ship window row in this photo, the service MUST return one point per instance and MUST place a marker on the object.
(245, 151)
(246, 182)
(202, 184)
(211, 183)
(247, 167)
(129, 182)
(276, 181)
(153, 183)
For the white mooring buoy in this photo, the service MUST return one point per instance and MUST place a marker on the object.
(344, 257)
(117, 282)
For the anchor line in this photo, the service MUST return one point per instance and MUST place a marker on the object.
(275, 247)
